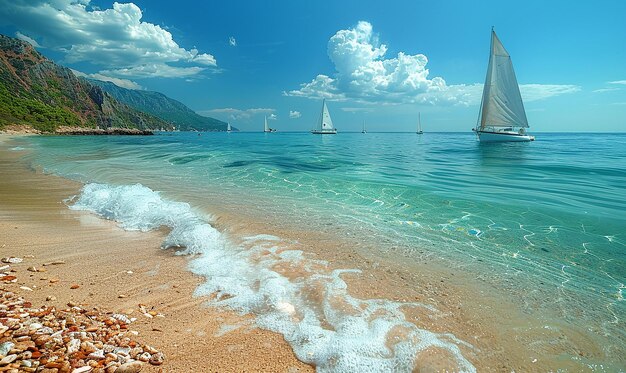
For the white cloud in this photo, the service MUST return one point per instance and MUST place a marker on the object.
(27, 39)
(239, 114)
(232, 41)
(154, 70)
(618, 82)
(113, 38)
(363, 74)
(124, 83)
(602, 90)
(294, 114)
(272, 117)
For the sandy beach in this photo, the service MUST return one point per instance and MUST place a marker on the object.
(100, 257)
(118, 270)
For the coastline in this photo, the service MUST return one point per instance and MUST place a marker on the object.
(98, 255)
(502, 337)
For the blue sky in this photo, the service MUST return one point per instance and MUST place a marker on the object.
(374, 61)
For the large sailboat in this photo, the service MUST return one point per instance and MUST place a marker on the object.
(419, 124)
(324, 125)
(267, 127)
(502, 116)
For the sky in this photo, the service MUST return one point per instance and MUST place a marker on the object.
(373, 61)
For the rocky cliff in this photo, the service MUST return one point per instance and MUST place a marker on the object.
(159, 105)
(35, 91)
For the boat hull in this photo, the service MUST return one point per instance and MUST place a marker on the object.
(316, 132)
(503, 137)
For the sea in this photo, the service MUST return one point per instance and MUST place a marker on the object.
(541, 223)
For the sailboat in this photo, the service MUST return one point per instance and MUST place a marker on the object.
(419, 124)
(267, 127)
(502, 116)
(364, 131)
(228, 127)
(324, 125)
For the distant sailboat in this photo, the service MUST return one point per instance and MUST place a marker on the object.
(267, 127)
(325, 124)
(419, 124)
(364, 131)
(228, 127)
(502, 116)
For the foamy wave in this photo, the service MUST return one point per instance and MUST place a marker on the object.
(287, 292)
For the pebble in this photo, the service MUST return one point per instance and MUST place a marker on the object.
(51, 298)
(74, 286)
(76, 339)
(130, 367)
(12, 260)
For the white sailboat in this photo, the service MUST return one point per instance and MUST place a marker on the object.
(419, 124)
(364, 131)
(324, 125)
(228, 127)
(502, 116)
(267, 127)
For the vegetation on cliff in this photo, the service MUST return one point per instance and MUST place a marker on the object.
(37, 92)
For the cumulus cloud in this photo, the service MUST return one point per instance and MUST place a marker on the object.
(239, 114)
(232, 41)
(27, 39)
(124, 83)
(618, 82)
(294, 114)
(272, 117)
(364, 74)
(114, 37)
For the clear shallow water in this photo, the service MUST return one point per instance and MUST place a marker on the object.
(548, 216)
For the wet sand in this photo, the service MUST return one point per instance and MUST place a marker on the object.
(98, 255)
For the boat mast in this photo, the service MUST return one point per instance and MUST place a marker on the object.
(479, 124)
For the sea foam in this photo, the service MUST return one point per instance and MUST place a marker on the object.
(287, 291)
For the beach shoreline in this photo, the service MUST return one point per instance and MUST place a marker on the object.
(118, 270)
(498, 334)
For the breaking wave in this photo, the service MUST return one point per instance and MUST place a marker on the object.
(287, 292)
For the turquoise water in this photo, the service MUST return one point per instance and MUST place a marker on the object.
(548, 216)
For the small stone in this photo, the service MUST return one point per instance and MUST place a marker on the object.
(26, 288)
(121, 296)
(157, 359)
(130, 367)
(84, 369)
(150, 349)
(74, 286)
(50, 298)
(32, 269)
(54, 280)
(8, 359)
(5, 347)
(145, 357)
(56, 262)
(12, 260)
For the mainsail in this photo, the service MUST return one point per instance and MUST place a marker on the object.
(267, 127)
(502, 104)
(325, 122)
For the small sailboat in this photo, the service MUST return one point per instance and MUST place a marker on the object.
(419, 124)
(267, 127)
(364, 131)
(228, 127)
(324, 125)
(502, 116)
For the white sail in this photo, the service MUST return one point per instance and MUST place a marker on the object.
(325, 123)
(267, 127)
(228, 128)
(502, 104)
